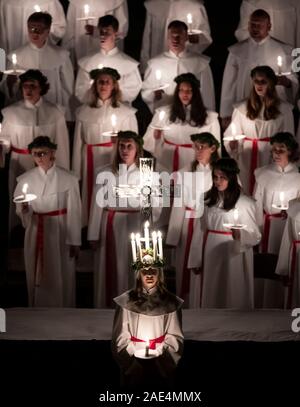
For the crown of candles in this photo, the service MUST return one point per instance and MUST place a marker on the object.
(147, 251)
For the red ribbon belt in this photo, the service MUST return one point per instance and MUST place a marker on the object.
(186, 272)
(176, 153)
(111, 256)
(217, 232)
(90, 168)
(39, 249)
(20, 150)
(293, 270)
(152, 342)
(265, 239)
(254, 158)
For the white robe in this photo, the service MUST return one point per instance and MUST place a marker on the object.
(124, 224)
(285, 259)
(130, 82)
(246, 55)
(13, 21)
(271, 180)
(181, 219)
(52, 285)
(178, 133)
(171, 66)
(159, 13)
(76, 39)
(285, 19)
(54, 62)
(90, 124)
(256, 129)
(22, 122)
(227, 275)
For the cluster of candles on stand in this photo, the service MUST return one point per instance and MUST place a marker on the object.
(137, 248)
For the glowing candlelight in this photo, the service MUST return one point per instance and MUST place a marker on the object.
(281, 198)
(86, 8)
(138, 242)
(158, 76)
(189, 18)
(154, 244)
(233, 130)
(133, 247)
(279, 64)
(113, 122)
(146, 233)
(14, 61)
(160, 248)
(37, 8)
(161, 115)
(100, 66)
(236, 216)
(24, 190)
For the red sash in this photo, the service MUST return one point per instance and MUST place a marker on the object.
(293, 271)
(152, 342)
(265, 239)
(254, 158)
(20, 150)
(176, 153)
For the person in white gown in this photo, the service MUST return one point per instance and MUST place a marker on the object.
(276, 185)
(257, 119)
(259, 49)
(53, 61)
(168, 135)
(13, 21)
(113, 217)
(147, 315)
(110, 56)
(171, 63)
(91, 148)
(285, 19)
(221, 251)
(81, 37)
(195, 179)
(25, 120)
(159, 13)
(52, 227)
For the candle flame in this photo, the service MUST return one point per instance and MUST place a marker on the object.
(113, 120)
(281, 196)
(159, 233)
(279, 60)
(86, 9)
(132, 236)
(147, 224)
(236, 214)
(24, 189)
(37, 8)
(100, 66)
(162, 115)
(233, 129)
(14, 59)
(189, 18)
(158, 74)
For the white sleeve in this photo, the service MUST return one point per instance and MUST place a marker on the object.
(77, 150)
(62, 140)
(229, 86)
(82, 84)
(208, 89)
(242, 32)
(59, 24)
(131, 85)
(73, 237)
(67, 82)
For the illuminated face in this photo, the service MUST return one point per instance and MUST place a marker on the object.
(127, 151)
(185, 93)
(38, 33)
(203, 151)
(176, 40)
(220, 180)
(261, 84)
(105, 87)
(31, 90)
(149, 278)
(108, 37)
(43, 157)
(280, 154)
(259, 28)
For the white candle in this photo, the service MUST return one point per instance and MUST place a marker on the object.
(189, 18)
(158, 74)
(233, 130)
(281, 198)
(37, 8)
(160, 248)
(279, 63)
(138, 242)
(100, 66)
(86, 8)
(113, 122)
(154, 244)
(133, 247)
(161, 115)
(146, 233)
(236, 216)
(24, 190)
(14, 60)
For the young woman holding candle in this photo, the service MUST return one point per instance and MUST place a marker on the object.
(276, 184)
(104, 113)
(222, 253)
(113, 217)
(194, 180)
(258, 118)
(168, 135)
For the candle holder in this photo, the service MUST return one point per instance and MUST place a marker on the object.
(24, 198)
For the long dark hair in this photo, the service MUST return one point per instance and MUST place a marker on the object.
(198, 110)
(231, 195)
(136, 294)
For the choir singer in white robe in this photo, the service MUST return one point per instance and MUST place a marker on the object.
(110, 56)
(91, 149)
(171, 63)
(52, 228)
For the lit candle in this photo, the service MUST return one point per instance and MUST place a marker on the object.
(281, 198)
(161, 115)
(158, 76)
(279, 63)
(86, 8)
(138, 242)
(160, 248)
(236, 216)
(14, 61)
(233, 130)
(100, 66)
(24, 190)
(189, 18)
(147, 348)
(37, 8)
(146, 233)
(113, 122)
(154, 244)
(133, 247)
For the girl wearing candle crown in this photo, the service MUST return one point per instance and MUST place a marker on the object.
(171, 145)
(258, 118)
(112, 218)
(104, 113)
(147, 325)
(276, 184)
(223, 253)
(195, 179)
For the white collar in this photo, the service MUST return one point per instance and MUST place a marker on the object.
(287, 168)
(30, 105)
(113, 51)
(260, 42)
(100, 102)
(38, 49)
(49, 172)
(180, 55)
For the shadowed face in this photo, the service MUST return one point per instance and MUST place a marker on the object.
(149, 278)
(127, 151)
(259, 28)
(185, 93)
(43, 157)
(203, 152)
(38, 33)
(220, 180)
(177, 38)
(31, 90)
(261, 84)
(280, 154)
(108, 37)
(105, 86)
